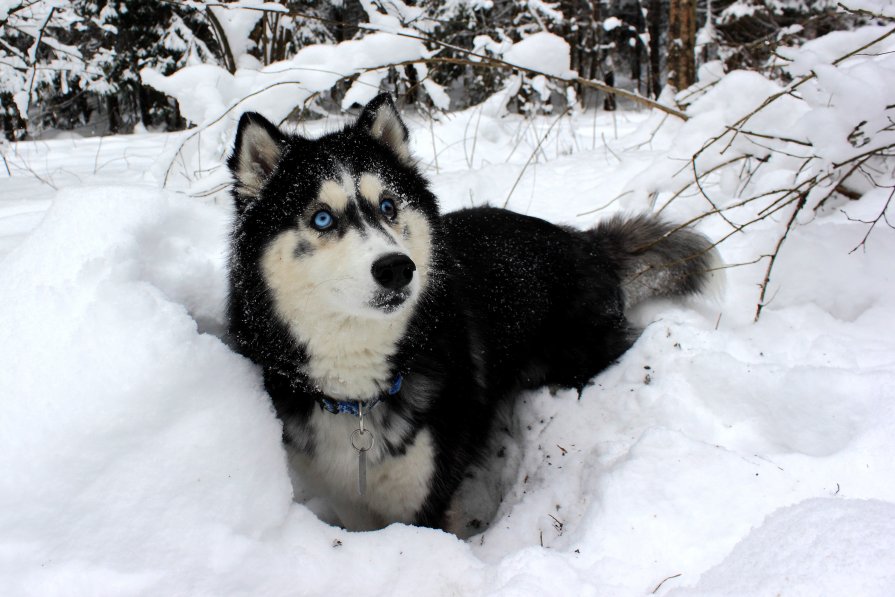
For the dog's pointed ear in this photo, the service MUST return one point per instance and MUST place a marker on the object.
(259, 144)
(380, 120)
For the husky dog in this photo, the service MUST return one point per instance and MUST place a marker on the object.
(389, 334)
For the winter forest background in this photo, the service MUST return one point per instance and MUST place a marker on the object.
(75, 65)
(743, 446)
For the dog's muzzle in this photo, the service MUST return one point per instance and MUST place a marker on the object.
(393, 271)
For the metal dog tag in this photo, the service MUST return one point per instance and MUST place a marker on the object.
(362, 441)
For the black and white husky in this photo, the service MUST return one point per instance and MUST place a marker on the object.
(389, 334)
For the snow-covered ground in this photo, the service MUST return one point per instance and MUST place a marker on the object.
(720, 456)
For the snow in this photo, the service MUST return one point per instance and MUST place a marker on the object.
(738, 10)
(844, 123)
(877, 7)
(111, 382)
(612, 23)
(718, 457)
(6, 6)
(238, 24)
(818, 547)
(213, 98)
(543, 52)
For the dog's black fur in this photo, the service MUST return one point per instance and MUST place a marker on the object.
(513, 302)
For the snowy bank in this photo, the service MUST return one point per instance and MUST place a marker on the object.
(142, 457)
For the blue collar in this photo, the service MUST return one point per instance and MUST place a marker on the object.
(350, 407)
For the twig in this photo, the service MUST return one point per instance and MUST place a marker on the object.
(211, 191)
(27, 167)
(658, 586)
(519, 136)
(475, 136)
(557, 524)
(767, 276)
(533, 154)
(604, 206)
(609, 149)
(434, 146)
(739, 264)
(199, 129)
(704, 174)
(652, 135)
(840, 188)
(720, 212)
(882, 216)
(99, 148)
(5, 164)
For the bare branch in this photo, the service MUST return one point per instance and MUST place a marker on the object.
(533, 154)
(702, 175)
(5, 164)
(767, 276)
(881, 216)
(658, 586)
(198, 130)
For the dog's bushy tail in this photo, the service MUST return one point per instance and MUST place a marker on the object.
(655, 258)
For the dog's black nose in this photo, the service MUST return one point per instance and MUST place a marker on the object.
(393, 271)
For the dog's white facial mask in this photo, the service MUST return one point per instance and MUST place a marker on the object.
(332, 271)
(323, 285)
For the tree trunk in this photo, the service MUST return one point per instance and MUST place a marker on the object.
(654, 26)
(413, 85)
(609, 103)
(12, 124)
(596, 53)
(682, 43)
(143, 99)
(113, 113)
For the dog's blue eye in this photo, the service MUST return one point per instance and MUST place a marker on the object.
(388, 209)
(322, 220)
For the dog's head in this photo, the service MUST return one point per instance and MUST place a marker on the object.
(342, 224)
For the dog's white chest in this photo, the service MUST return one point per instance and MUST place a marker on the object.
(396, 486)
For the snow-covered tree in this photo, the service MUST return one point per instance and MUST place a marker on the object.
(749, 31)
(69, 63)
(121, 37)
(35, 56)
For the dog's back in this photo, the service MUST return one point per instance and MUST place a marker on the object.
(549, 302)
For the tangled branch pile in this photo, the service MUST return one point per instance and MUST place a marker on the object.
(781, 156)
